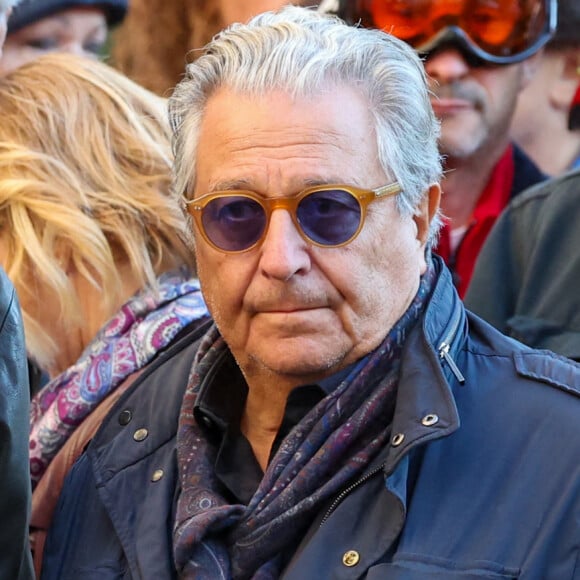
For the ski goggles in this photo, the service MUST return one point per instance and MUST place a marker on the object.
(329, 216)
(492, 31)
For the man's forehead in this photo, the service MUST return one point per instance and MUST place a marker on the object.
(297, 116)
(280, 146)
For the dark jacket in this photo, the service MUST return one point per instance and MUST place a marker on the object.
(527, 278)
(481, 479)
(526, 172)
(15, 561)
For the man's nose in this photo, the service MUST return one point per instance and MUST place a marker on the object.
(284, 252)
(447, 65)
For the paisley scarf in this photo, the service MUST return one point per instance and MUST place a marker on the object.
(144, 325)
(331, 446)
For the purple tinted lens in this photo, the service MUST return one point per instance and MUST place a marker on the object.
(234, 223)
(329, 218)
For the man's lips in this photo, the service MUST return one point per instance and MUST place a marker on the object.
(287, 309)
(287, 302)
(448, 106)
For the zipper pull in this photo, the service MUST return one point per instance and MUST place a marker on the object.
(444, 354)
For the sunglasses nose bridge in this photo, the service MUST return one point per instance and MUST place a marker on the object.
(290, 204)
(275, 203)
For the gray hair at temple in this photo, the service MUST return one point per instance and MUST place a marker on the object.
(304, 52)
(5, 5)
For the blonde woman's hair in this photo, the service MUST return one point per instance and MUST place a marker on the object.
(85, 183)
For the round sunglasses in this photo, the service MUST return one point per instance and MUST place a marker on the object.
(329, 216)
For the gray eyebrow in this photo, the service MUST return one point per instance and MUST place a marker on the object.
(244, 184)
(229, 184)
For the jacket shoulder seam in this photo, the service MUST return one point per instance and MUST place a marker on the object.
(550, 369)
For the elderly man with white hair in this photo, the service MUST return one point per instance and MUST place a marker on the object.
(344, 416)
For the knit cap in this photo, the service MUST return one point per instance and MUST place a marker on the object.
(568, 29)
(30, 11)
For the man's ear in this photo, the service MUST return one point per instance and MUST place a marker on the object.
(426, 211)
(572, 62)
(566, 83)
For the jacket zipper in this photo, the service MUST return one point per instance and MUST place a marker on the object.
(446, 345)
(338, 499)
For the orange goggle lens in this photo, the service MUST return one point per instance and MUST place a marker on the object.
(498, 31)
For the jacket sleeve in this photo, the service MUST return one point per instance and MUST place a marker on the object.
(15, 558)
(527, 275)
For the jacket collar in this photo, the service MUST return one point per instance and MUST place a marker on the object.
(425, 407)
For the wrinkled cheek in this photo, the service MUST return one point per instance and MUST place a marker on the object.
(224, 294)
(214, 289)
(389, 291)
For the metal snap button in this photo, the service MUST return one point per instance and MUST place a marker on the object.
(207, 421)
(430, 419)
(157, 475)
(351, 558)
(125, 417)
(140, 434)
(397, 439)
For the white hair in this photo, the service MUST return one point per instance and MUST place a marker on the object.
(301, 51)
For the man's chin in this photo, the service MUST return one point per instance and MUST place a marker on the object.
(303, 366)
(456, 150)
(459, 142)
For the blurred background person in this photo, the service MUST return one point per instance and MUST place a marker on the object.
(541, 123)
(95, 244)
(479, 56)
(527, 276)
(15, 561)
(158, 38)
(36, 27)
